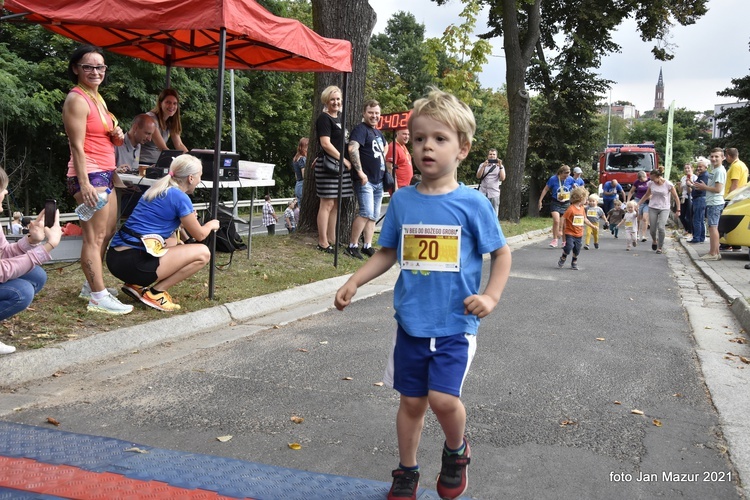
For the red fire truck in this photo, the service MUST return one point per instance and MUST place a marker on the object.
(624, 161)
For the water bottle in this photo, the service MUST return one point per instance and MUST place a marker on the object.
(86, 212)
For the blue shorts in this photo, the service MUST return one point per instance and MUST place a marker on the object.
(642, 209)
(418, 364)
(369, 196)
(713, 212)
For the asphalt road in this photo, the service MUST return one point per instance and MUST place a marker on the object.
(561, 365)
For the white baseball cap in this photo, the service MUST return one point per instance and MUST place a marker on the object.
(577, 170)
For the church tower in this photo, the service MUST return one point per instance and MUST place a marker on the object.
(659, 94)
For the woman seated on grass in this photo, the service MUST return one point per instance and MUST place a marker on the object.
(146, 254)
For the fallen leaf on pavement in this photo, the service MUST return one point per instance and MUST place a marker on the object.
(378, 384)
(136, 450)
(565, 423)
(347, 378)
(636, 412)
(52, 421)
(617, 403)
(224, 439)
(738, 340)
(295, 446)
(296, 419)
(302, 350)
(323, 342)
(657, 423)
(745, 360)
(600, 339)
(58, 374)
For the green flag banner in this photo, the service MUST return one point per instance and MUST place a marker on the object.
(668, 152)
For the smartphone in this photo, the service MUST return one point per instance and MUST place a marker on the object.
(50, 207)
(493, 160)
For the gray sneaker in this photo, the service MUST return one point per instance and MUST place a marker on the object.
(353, 252)
(86, 291)
(109, 305)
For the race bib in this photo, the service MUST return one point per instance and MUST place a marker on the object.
(578, 220)
(628, 223)
(563, 194)
(430, 247)
(592, 213)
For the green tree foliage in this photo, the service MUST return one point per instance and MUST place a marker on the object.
(402, 50)
(735, 122)
(272, 109)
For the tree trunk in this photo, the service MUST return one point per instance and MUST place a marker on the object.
(351, 20)
(518, 54)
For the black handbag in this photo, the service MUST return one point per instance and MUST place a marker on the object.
(329, 164)
(388, 183)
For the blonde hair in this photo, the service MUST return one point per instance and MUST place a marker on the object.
(578, 194)
(593, 197)
(17, 216)
(327, 93)
(181, 168)
(448, 110)
(632, 204)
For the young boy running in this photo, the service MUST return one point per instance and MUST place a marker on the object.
(573, 222)
(593, 213)
(437, 231)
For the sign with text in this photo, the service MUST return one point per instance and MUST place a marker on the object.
(394, 121)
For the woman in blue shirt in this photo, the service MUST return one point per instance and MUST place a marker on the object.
(560, 201)
(146, 253)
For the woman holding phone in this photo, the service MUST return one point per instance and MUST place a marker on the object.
(21, 274)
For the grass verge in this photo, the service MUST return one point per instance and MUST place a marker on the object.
(276, 263)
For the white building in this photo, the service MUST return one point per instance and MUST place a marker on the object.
(716, 132)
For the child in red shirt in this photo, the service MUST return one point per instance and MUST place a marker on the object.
(573, 221)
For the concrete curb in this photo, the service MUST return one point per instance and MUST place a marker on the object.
(737, 302)
(275, 308)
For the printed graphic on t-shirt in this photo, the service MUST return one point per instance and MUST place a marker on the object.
(430, 247)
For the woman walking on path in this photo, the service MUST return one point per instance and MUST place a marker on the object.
(657, 196)
(560, 201)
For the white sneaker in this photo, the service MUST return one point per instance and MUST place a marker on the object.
(86, 291)
(708, 256)
(108, 305)
(6, 349)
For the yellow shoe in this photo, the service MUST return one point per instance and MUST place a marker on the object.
(159, 300)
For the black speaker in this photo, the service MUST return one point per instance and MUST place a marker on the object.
(229, 169)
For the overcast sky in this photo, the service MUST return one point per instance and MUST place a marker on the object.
(708, 54)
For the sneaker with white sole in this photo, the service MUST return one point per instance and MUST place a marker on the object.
(453, 479)
(86, 291)
(6, 349)
(708, 256)
(108, 305)
(159, 300)
(553, 243)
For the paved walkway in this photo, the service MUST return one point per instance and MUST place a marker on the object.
(46, 463)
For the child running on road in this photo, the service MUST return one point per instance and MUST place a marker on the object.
(437, 300)
(593, 214)
(630, 221)
(615, 216)
(573, 221)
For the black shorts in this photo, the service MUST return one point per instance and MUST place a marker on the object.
(133, 266)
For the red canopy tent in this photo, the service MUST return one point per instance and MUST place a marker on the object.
(234, 34)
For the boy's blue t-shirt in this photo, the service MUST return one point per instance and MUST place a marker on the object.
(430, 303)
(161, 216)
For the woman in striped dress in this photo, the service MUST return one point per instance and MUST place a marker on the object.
(330, 134)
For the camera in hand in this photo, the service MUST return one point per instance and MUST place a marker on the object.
(492, 160)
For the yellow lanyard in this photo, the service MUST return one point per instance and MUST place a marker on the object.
(98, 100)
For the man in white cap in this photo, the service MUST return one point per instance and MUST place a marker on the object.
(575, 180)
